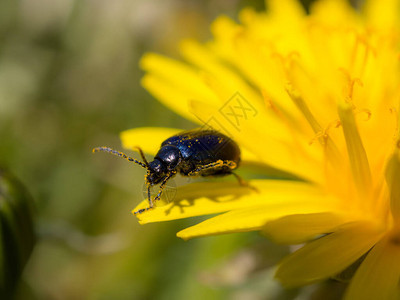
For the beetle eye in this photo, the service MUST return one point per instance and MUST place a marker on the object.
(155, 172)
(156, 167)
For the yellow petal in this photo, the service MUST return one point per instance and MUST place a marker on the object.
(149, 139)
(224, 31)
(172, 97)
(254, 217)
(296, 229)
(174, 72)
(382, 14)
(229, 80)
(271, 144)
(378, 276)
(328, 255)
(286, 10)
(165, 79)
(254, 61)
(214, 197)
(333, 12)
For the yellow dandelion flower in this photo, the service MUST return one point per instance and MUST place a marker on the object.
(313, 95)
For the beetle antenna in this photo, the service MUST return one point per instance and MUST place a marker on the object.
(120, 154)
(142, 155)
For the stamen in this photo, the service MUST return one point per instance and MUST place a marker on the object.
(352, 83)
(355, 149)
(286, 61)
(269, 104)
(290, 123)
(365, 111)
(331, 150)
(303, 107)
(392, 179)
(361, 52)
(292, 57)
(324, 134)
(349, 88)
(396, 136)
(317, 136)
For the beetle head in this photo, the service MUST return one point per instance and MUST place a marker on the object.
(156, 172)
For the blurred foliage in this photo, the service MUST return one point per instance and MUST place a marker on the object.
(17, 237)
(70, 81)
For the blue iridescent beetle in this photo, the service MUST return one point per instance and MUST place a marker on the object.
(189, 153)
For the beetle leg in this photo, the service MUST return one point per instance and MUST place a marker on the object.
(149, 197)
(162, 185)
(150, 203)
(142, 210)
(219, 163)
(243, 182)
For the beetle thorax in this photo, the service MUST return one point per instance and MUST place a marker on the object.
(170, 156)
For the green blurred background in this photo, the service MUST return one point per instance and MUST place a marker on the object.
(70, 81)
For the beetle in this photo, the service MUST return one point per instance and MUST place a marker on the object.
(190, 153)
